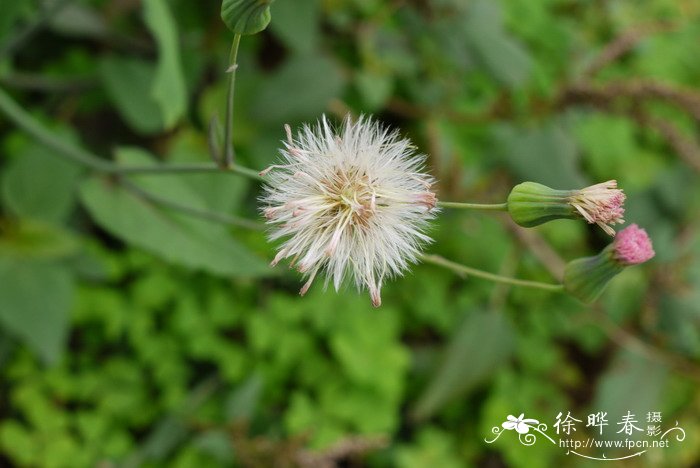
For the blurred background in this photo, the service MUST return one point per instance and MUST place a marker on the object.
(133, 334)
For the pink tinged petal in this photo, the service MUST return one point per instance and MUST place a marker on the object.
(264, 172)
(601, 204)
(288, 131)
(375, 295)
(633, 246)
(304, 289)
(280, 255)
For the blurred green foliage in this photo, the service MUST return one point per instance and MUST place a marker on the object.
(132, 334)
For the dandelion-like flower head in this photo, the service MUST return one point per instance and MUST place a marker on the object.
(355, 203)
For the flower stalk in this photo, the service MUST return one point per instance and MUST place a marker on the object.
(474, 206)
(466, 270)
(229, 152)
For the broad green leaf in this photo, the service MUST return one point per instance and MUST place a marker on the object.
(482, 343)
(375, 88)
(216, 443)
(545, 154)
(31, 239)
(296, 23)
(128, 84)
(37, 184)
(172, 235)
(220, 193)
(243, 401)
(79, 20)
(301, 89)
(11, 11)
(35, 299)
(168, 88)
(632, 383)
(246, 16)
(501, 55)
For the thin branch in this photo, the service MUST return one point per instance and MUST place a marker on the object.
(636, 90)
(344, 449)
(623, 44)
(687, 148)
(607, 98)
(631, 342)
(539, 247)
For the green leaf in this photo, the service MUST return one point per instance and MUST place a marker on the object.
(168, 88)
(246, 16)
(315, 80)
(11, 11)
(546, 154)
(243, 401)
(29, 239)
(375, 88)
(128, 85)
(81, 21)
(479, 347)
(296, 23)
(216, 443)
(222, 194)
(172, 235)
(500, 54)
(35, 298)
(632, 383)
(37, 184)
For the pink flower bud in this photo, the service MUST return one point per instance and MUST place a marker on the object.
(633, 246)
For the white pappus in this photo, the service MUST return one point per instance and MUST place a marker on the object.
(353, 203)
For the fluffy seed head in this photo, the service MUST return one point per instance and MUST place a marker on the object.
(633, 246)
(353, 203)
(601, 204)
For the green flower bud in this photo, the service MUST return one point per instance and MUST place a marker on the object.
(585, 278)
(531, 204)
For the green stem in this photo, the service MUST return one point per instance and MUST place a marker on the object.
(75, 154)
(26, 122)
(186, 169)
(463, 269)
(194, 212)
(474, 206)
(228, 129)
(68, 151)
